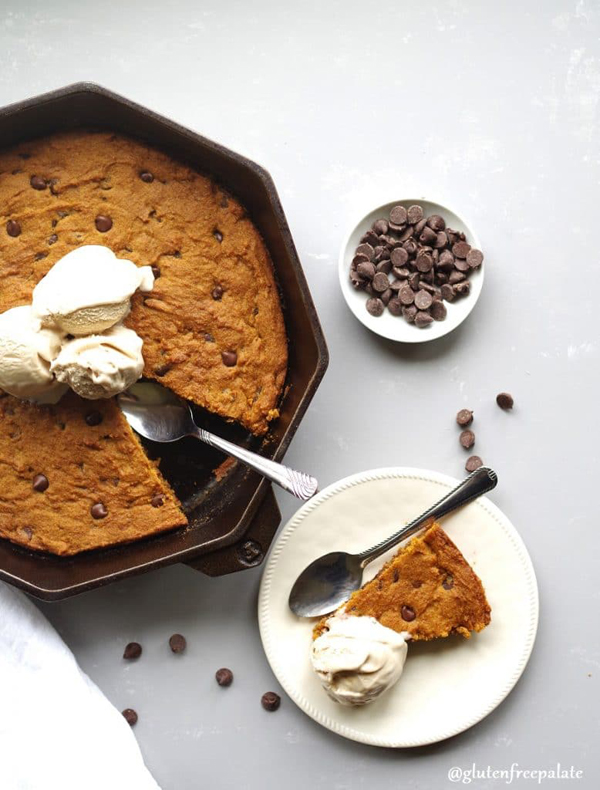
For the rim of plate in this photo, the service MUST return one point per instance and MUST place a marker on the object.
(395, 327)
(358, 478)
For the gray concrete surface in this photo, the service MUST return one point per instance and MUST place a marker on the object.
(492, 109)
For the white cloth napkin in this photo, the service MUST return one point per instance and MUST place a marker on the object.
(57, 730)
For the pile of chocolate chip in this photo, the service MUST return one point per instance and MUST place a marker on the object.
(412, 264)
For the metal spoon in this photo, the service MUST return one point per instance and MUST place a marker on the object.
(157, 414)
(330, 580)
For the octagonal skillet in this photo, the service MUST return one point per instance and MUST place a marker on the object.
(232, 519)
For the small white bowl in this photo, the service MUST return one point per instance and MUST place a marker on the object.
(395, 327)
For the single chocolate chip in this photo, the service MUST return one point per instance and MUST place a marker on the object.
(395, 306)
(37, 182)
(441, 240)
(94, 418)
(359, 259)
(414, 215)
(409, 313)
(380, 282)
(365, 249)
(208, 337)
(461, 249)
(217, 293)
(393, 228)
(456, 277)
(462, 289)
(13, 228)
(408, 613)
(406, 234)
(157, 500)
(366, 269)
(423, 319)
(435, 222)
(229, 358)
(424, 262)
(446, 261)
(103, 223)
(406, 295)
(399, 256)
(438, 310)
(380, 226)
(448, 582)
(410, 247)
(386, 296)
(413, 281)
(52, 239)
(156, 272)
(398, 215)
(146, 176)
(473, 463)
(132, 650)
(177, 643)
(40, 483)
(505, 400)
(162, 370)
(464, 417)
(423, 300)
(130, 716)
(357, 281)
(384, 266)
(467, 439)
(420, 227)
(401, 272)
(474, 258)
(224, 676)
(39, 256)
(270, 701)
(461, 265)
(428, 237)
(218, 235)
(98, 510)
(375, 306)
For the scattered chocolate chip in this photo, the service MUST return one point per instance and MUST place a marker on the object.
(130, 716)
(217, 293)
(132, 650)
(229, 358)
(270, 701)
(375, 306)
(464, 417)
(13, 228)
(177, 643)
(467, 439)
(408, 613)
(398, 215)
(218, 235)
(146, 176)
(474, 258)
(103, 223)
(98, 510)
(423, 300)
(40, 483)
(505, 400)
(473, 463)
(157, 500)
(93, 418)
(423, 319)
(224, 676)
(448, 582)
(414, 215)
(380, 282)
(37, 182)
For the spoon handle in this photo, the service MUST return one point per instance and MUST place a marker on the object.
(299, 484)
(477, 483)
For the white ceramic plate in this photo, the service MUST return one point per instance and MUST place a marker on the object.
(395, 327)
(449, 684)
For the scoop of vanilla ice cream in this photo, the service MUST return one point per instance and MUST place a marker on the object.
(100, 366)
(89, 290)
(357, 659)
(26, 351)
